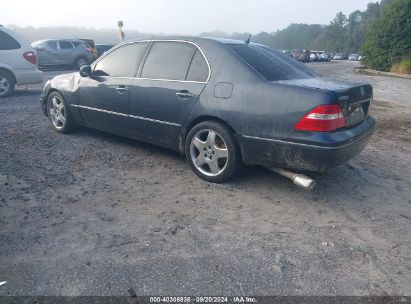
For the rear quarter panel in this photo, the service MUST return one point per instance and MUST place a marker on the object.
(257, 107)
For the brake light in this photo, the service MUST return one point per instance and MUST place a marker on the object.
(323, 118)
(30, 57)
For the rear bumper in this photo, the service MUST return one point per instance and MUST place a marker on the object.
(312, 155)
(28, 76)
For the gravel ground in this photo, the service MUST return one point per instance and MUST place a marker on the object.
(95, 214)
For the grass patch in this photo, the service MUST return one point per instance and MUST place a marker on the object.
(404, 67)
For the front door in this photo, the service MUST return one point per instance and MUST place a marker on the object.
(104, 99)
(172, 78)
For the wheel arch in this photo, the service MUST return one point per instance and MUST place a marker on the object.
(8, 71)
(78, 57)
(197, 120)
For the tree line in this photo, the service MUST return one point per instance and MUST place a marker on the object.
(382, 33)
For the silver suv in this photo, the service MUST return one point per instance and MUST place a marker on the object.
(53, 52)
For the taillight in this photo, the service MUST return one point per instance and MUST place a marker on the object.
(323, 118)
(89, 50)
(30, 57)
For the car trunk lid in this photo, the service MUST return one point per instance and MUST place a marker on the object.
(354, 99)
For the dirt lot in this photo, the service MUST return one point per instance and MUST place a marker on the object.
(94, 214)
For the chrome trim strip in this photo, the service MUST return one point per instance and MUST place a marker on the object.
(127, 115)
(307, 145)
(185, 41)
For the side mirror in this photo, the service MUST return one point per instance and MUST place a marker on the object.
(85, 71)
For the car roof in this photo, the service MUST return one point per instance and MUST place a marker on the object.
(56, 39)
(188, 38)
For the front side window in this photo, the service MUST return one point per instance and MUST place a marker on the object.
(64, 45)
(122, 62)
(168, 60)
(7, 42)
(271, 64)
(52, 44)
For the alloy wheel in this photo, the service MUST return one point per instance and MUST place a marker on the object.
(81, 62)
(4, 86)
(209, 152)
(57, 113)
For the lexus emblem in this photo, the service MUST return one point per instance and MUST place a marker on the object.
(362, 91)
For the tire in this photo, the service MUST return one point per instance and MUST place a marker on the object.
(212, 151)
(79, 62)
(7, 84)
(59, 113)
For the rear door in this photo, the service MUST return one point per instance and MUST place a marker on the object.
(104, 96)
(47, 53)
(172, 78)
(66, 51)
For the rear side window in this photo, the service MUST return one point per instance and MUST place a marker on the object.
(64, 45)
(122, 62)
(271, 64)
(7, 42)
(76, 43)
(168, 60)
(198, 70)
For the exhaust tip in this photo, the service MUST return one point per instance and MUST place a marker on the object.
(304, 182)
(300, 180)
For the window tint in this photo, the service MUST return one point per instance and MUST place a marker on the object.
(52, 44)
(7, 42)
(76, 43)
(168, 60)
(122, 62)
(65, 45)
(271, 64)
(198, 70)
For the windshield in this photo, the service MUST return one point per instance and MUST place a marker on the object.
(271, 64)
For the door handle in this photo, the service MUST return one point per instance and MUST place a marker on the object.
(121, 89)
(184, 94)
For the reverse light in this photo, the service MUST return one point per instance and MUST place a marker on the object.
(324, 118)
(30, 57)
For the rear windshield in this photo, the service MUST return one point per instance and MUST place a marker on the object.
(271, 64)
(89, 42)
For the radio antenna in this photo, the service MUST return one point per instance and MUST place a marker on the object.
(248, 40)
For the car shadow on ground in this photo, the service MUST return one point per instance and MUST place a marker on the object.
(326, 182)
(57, 69)
(26, 92)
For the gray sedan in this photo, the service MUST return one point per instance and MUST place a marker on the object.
(219, 102)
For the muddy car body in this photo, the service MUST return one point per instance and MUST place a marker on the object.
(227, 102)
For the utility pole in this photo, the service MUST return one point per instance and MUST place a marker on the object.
(120, 28)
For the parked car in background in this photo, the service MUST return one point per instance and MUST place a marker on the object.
(338, 56)
(322, 56)
(302, 55)
(353, 57)
(90, 43)
(102, 48)
(18, 62)
(220, 102)
(54, 52)
(361, 58)
(314, 57)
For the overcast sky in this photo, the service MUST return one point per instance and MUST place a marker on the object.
(176, 16)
